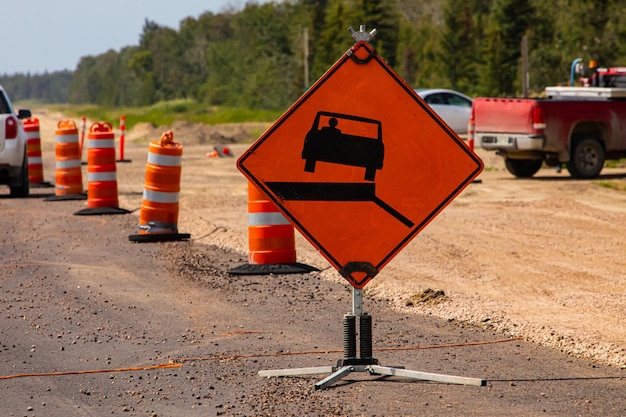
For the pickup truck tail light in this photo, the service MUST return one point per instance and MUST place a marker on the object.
(539, 119)
(10, 127)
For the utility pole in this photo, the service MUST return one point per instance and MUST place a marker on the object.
(525, 78)
(305, 37)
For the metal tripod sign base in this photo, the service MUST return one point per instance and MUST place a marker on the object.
(338, 374)
(365, 362)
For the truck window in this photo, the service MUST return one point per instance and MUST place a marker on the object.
(349, 127)
(613, 80)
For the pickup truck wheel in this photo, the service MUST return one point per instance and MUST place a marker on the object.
(20, 188)
(587, 159)
(523, 168)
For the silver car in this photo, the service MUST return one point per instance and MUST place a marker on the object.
(453, 107)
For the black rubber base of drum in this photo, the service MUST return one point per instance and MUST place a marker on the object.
(98, 211)
(66, 197)
(255, 269)
(44, 184)
(159, 237)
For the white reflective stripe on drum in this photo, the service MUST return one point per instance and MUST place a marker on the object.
(67, 138)
(163, 160)
(266, 219)
(74, 163)
(102, 176)
(101, 143)
(160, 196)
(32, 135)
(34, 160)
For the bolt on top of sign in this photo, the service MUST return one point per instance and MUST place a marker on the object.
(359, 163)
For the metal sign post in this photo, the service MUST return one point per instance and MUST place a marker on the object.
(365, 362)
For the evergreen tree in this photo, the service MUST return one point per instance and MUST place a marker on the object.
(333, 40)
(548, 62)
(458, 46)
(266, 61)
(382, 16)
(502, 50)
(427, 70)
(406, 51)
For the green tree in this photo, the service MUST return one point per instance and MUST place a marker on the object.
(48, 87)
(168, 65)
(502, 49)
(85, 86)
(548, 62)
(140, 64)
(459, 46)
(258, 64)
(333, 39)
(384, 17)
(268, 62)
(426, 52)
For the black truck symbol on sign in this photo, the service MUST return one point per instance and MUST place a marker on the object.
(345, 139)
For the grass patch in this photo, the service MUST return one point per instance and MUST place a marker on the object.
(618, 163)
(619, 185)
(491, 168)
(167, 112)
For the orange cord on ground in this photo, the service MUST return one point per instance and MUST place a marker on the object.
(178, 362)
(322, 352)
(98, 371)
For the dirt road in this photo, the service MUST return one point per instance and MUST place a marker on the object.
(541, 259)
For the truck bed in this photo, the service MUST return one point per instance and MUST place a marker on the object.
(514, 117)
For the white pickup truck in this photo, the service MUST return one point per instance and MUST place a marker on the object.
(13, 159)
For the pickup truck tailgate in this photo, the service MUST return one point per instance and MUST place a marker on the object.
(502, 115)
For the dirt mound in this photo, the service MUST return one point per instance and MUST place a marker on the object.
(189, 133)
(427, 296)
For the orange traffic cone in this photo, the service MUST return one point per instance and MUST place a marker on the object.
(159, 209)
(223, 151)
(123, 139)
(271, 239)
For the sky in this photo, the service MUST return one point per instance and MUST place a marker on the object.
(53, 35)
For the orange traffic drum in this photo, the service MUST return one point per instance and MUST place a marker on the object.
(69, 178)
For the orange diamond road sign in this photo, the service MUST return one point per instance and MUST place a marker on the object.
(360, 164)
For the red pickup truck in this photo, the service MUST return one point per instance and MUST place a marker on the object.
(580, 127)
